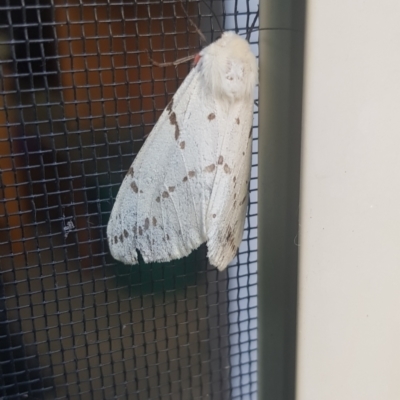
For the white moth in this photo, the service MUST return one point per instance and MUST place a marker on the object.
(189, 183)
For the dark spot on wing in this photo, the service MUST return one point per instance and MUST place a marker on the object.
(227, 169)
(158, 199)
(192, 174)
(234, 196)
(211, 117)
(237, 121)
(220, 160)
(130, 172)
(214, 215)
(154, 221)
(140, 231)
(167, 236)
(121, 238)
(165, 194)
(146, 224)
(234, 179)
(230, 239)
(177, 131)
(173, 121)
(126, 234)
(170, 105)
(171, 188)
(172, 118)
(182, 145)
(209, 168)
(134, 187)
(116, 239)
(141, 191)
(243, 153)
(185, 179)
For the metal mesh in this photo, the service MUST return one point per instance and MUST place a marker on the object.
(78, 96)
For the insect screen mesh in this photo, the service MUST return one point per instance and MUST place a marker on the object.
(78, 95)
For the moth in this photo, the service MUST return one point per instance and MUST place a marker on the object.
(189, 182)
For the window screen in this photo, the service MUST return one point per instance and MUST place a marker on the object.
(78, 96)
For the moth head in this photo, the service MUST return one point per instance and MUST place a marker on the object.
(229, 68)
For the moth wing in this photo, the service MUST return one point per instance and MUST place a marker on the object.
(162, 203)
(228, 204)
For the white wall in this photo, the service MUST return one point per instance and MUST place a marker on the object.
(349, 305)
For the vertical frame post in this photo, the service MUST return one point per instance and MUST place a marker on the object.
(281, 82)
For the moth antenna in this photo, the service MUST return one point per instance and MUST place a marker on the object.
(174, 63)
(253, 24)
(279, 29)
(199, 32)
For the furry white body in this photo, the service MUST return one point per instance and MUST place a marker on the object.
(189, 183)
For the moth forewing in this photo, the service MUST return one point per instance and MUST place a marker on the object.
(228, 204)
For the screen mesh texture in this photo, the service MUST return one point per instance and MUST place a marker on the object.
(78, 96)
